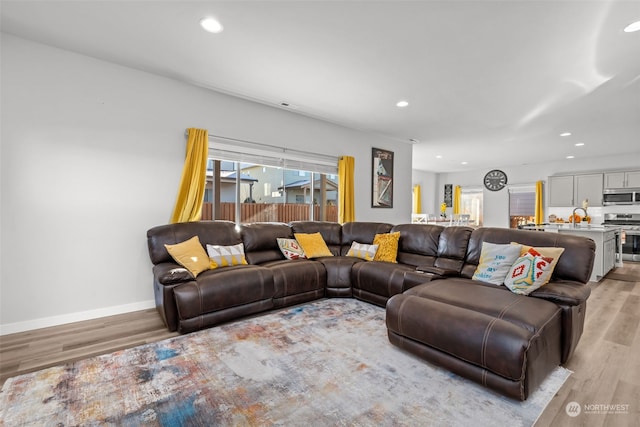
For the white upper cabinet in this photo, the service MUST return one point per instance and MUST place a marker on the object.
(622, 179)
(571, 190)
(561, 190)
(588, 187)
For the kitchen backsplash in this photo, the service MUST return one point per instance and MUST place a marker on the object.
(596, 212)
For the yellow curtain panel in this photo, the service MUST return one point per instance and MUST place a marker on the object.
(417, 200)
(346, 194)
(194, 178)
(457, 199)
(539, 207)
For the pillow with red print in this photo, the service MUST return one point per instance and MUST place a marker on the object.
(290, 248)
(529, 272)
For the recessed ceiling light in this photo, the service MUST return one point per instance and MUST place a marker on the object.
(211, 25)
(402, 104)
(570, 157)
(438, 156)
(565, 134)
(634, 26)
(464, 163)
(579, 144)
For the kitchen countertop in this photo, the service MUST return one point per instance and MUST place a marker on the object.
(568, 227)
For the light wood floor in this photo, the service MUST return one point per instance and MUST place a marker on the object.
(606, 363)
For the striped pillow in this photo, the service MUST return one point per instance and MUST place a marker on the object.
(364, 251)
(226, 256)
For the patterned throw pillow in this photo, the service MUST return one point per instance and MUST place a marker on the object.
(226, 256)
(528, 273)
(387, 246)
(495, 262)
(545, 251)
(363, 251)
(290, 248)
(191, 255)
(312, 244)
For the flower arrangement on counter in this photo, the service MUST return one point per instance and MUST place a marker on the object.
(443, 210)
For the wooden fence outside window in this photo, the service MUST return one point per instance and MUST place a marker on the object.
(269, 212)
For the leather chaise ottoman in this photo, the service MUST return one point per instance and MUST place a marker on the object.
(501, 340)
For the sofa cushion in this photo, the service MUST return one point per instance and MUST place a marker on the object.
(313, 245)
(363, 232)
(223, 288)
(380, 278)
(261, 241)
(331, 233)
(191, 255)
(209, 232)
(495, 262)
(291, 277)
(387, 246)
(226, 256)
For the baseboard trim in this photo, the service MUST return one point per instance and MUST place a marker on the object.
(45, 322)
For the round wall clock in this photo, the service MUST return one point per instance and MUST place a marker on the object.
(495, 180)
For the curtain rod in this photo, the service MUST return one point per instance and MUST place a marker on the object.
(273, 147)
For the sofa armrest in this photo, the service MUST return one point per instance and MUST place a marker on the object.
(437, 271)
(170, 273)
(563, 292)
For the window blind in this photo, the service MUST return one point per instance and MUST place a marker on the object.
(522, 201)
(235, 150)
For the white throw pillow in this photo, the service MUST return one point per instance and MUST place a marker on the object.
(226, 256)
(495, 262)
(363, 251)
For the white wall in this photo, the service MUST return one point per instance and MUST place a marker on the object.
(91, 158)
(428, 182)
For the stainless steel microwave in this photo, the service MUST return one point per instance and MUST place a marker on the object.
(621, 196)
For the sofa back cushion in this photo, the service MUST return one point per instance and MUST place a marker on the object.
(208, 232)
(361, 232)
(331, 232)
(418, 243)
(452, 248)
(575, 263)
(261, 241)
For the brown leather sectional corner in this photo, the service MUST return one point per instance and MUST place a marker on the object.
(505, 341)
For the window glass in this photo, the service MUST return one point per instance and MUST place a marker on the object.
(471, 204)
(522, 201)
(269, 193)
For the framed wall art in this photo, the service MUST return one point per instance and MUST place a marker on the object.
(382, 178)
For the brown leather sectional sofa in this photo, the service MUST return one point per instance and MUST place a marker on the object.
(505, 341)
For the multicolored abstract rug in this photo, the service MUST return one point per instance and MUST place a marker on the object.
(325, 363)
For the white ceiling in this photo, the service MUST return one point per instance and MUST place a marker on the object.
(492, 83)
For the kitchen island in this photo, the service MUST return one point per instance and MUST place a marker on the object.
(607, 239)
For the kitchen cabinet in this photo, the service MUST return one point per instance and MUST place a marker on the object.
(605, 240)
(622, 179)
(588, 187)
(571, 190)
(561, 190)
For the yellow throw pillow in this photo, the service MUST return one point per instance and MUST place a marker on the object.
(191, 255)
(312, 244)
(387, 246)
(547, 252)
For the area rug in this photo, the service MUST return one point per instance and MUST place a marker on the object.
(327, 363)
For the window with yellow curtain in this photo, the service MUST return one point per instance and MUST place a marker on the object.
(261, 183)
